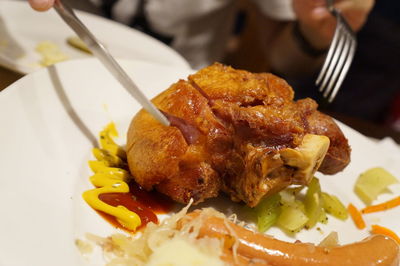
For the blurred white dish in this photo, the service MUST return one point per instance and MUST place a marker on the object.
(22, 29)
(50, 121)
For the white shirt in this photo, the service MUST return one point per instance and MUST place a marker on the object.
(200, 28)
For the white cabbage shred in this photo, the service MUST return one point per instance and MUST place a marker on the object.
(121, 249)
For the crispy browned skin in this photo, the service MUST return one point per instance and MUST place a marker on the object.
(338, 155)
(244, 119)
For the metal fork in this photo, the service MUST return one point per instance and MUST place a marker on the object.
(340, 55)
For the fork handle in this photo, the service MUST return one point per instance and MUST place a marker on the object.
(329, 4)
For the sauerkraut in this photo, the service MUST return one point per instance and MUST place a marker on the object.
(156, 241)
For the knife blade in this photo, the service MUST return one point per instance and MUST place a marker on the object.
(101, 53)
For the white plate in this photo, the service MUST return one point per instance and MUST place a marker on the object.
(22, 29)
(50, 120)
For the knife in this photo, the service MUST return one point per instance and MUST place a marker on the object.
(99, 51)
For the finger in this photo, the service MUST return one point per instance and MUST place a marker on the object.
(316, 22)
(41, 5)
(365, 5)
(310, 10)
(319, 13)
(356, 12)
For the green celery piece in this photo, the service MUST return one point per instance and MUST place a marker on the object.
(323, 219)
(268, 211)
(313, 203)
(334, 206)
(292, 219)
(372, 183)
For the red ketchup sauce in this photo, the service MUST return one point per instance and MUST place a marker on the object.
(144, 203)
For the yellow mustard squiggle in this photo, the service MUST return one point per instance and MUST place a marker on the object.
(109, 177)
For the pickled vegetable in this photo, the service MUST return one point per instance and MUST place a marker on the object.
(268, 211)
(393, 203)
(330, 241)
(292, 219)
(292, 210)
(334, 206)
(356, 216)
(313, 203)
(372, 183)
(323, 218)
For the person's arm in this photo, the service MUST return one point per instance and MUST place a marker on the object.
(41, 5)
(300, 51)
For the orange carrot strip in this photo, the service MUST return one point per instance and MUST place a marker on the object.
(380, 230)
(383, 206)
(356, 216)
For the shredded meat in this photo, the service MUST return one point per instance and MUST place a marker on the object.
(243, 122)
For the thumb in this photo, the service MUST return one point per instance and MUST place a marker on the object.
(41, 5)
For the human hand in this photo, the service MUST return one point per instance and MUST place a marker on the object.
(318, 25)
(41, 5)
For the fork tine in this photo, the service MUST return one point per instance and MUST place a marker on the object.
(353, 45)
(334, 60)
(342, 55)
(339, 58)
(328, 57)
